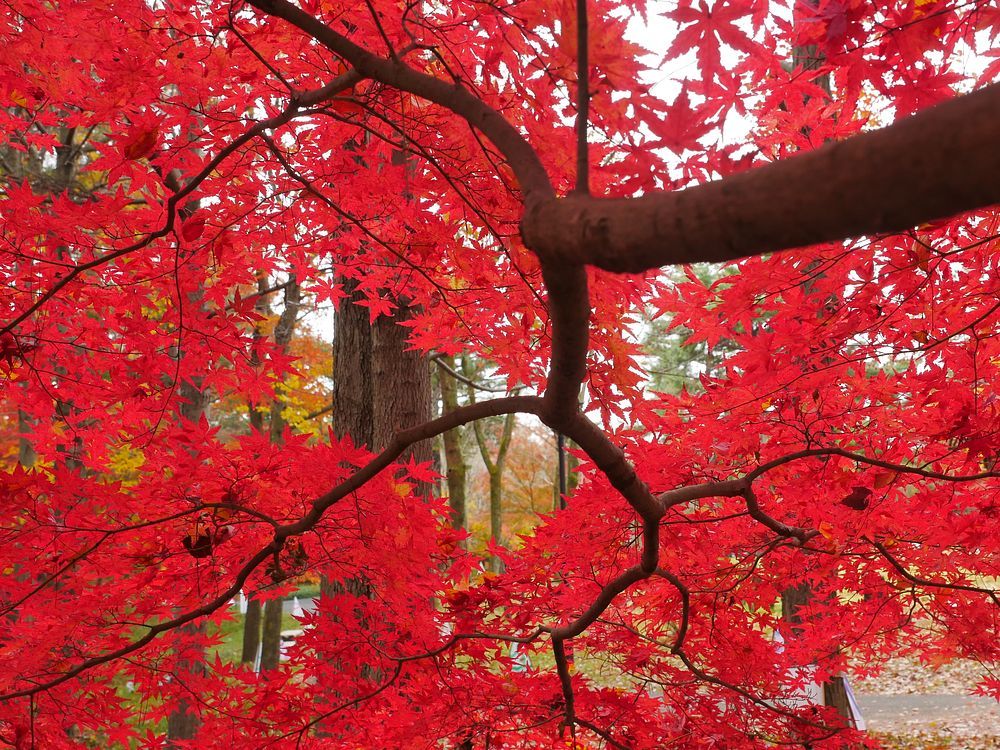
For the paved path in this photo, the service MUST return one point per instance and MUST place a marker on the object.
(308, 604)
(965, 714)
(928, 707)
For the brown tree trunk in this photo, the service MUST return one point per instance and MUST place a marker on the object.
(251, 631)
(401, 383)
(352, 370)
(353, 390)
(183, 722)
(270, 642)
(379, 388)
(793, 598)
(835, 696)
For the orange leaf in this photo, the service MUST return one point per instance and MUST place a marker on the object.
(883, 479)
(140, 143)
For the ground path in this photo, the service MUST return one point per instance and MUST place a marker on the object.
(923, 709)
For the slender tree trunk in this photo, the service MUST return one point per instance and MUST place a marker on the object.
(258, 616)
(254, 614)
(284, 330)
(183, 722)
(793, 598)
(270, 652)
(251, 631)
(25, 450)
(456, 465)
(494, 465)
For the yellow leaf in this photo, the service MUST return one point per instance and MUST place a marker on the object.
(883, 479)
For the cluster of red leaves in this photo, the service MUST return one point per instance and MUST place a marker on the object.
(873, 364)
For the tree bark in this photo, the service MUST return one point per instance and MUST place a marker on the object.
(792, 599)
(352, 370)
(456, 466)
(270, 652)
(401, 381)
(835, 696)
(353, 390)
(939, 162)
(183, 722)
(251, 631)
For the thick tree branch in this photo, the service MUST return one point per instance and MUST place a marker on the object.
(403, 440)
(600, 603)
(569, 313)
(935, 164)
(611, 460)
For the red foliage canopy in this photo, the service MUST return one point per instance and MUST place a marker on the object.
(160, 158)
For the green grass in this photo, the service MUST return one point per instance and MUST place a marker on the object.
(231, 632)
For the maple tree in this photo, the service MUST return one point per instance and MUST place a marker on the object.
(504, 173)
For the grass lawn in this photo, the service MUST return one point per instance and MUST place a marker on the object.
(231, 631)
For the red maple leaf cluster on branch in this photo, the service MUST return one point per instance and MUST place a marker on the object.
(507, 175)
